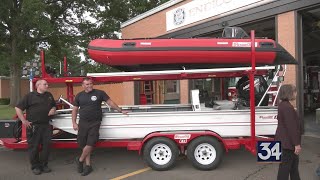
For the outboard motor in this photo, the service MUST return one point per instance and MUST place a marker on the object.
(243, 89)
(234, 32)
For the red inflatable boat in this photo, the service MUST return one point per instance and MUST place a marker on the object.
(154, 54)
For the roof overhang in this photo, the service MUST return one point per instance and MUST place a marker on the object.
(150, 12)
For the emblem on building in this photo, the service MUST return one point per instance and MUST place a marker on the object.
(179, 16)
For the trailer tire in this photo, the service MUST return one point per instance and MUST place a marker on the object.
(160, 153)
(205, 153)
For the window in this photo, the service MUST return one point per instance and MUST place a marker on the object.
(172, 86)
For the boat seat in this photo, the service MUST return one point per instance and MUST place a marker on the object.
(195, 100)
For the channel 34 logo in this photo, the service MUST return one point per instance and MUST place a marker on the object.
(269, 151)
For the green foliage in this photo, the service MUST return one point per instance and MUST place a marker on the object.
(98, 68)
(7, 112)
(116, 11)
(4, 101)
(141, 6)
(61, 27)
(4, 65)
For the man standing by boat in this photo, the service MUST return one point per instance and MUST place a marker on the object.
(39, 106)
(90, 113)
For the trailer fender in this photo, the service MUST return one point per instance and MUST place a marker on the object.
(181, 138)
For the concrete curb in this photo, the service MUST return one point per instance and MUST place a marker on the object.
(311, 135)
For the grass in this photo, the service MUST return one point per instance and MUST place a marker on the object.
(6, 112)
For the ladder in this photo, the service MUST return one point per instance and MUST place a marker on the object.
(148, 91)
(280, 72)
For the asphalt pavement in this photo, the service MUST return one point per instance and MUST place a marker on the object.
(119, 164)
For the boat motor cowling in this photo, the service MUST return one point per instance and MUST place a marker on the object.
(243, 90)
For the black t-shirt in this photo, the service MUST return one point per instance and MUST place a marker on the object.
(90, 104)
(37, 106)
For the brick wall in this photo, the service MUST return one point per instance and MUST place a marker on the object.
(152, 26)
(184, 93)
(286, 37)
(155, 25)
(5, 87)
(120, 93)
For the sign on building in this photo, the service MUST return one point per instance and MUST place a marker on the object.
(198, 10)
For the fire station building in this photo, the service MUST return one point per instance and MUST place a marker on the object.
(294, 24)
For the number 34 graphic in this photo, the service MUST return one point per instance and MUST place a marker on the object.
(269, 151)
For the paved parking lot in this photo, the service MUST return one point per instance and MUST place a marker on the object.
(122, 164)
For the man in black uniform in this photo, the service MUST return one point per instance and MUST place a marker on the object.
(39, 106)
(90, 114)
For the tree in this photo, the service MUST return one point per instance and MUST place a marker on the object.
(17, 28)
(4, 67)
(60, 26)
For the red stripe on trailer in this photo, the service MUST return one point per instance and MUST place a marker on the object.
(12, 143)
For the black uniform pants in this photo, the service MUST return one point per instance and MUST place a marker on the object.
(39, 136)
(288, 166)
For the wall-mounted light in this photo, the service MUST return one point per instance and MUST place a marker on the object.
(224, 24)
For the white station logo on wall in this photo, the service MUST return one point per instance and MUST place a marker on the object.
(198, 10)
(179, 16)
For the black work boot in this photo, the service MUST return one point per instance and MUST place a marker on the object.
(79, 165)
(87, 170)
(45, 169)
(36, 171)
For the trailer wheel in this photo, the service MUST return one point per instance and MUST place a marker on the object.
(160, 153)
(205, 153)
